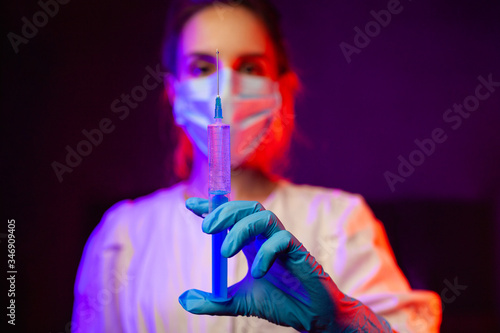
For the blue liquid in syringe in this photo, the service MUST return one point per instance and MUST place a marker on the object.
(219, 263)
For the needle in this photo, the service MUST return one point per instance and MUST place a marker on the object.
(217, 56)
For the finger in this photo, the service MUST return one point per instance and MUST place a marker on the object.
(201, 302)
(280, 242)
(264, 223)
(226, 215)
(299, 261)
(198, 206)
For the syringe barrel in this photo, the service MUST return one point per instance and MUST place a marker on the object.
(219, 159)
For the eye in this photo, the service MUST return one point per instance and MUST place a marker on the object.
(199, 68)
(251, 68)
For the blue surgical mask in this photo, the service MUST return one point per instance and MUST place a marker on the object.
(249, 105)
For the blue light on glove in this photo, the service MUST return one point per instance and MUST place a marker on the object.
(285, 284)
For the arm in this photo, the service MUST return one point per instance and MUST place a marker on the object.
(102, 277)
(367, 270)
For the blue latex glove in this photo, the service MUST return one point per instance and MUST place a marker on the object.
(285, 284)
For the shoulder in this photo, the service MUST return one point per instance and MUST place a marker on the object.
(129, 217)
(332, 202)
(306, 190)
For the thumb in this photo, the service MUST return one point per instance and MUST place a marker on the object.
(198, 206)
(201, 302)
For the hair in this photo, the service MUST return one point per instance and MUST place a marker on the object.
(271, 157)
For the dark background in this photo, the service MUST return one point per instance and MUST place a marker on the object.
(354, 120)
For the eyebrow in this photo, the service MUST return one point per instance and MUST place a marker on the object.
(211, 58)
(256, 55)
(202, 56)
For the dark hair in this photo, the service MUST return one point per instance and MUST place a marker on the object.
(181, 11)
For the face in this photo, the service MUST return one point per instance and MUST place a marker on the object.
(246, 47)
(243, 42)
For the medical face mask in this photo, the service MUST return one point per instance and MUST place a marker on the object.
(249, 105)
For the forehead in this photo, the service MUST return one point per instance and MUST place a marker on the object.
(232, 30)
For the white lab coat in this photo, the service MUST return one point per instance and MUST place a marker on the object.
(146, 252)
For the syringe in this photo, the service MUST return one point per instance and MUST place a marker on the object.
(219, 187)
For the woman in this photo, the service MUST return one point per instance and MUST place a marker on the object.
(147, 252)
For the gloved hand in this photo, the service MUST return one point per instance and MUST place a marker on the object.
(285, 284)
